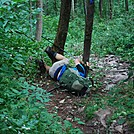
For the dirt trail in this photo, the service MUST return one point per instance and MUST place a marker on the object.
(71, 107)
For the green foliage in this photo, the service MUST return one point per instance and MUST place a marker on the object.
(52, 7)
(22, 104)
(79, 121)
(50, 27)
(74, 43)
(94, 104)
(124, 103)
(13, 16)
(109, 36)
(120, 99)
(114, 37)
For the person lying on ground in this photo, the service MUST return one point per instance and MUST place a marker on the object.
(72, 78)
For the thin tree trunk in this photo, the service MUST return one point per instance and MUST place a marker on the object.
(126, 5)
(55, 6)
(88, 29)
(30, 16)
(85, 8)
(100, 7)
(63, 26)
(72, 8)
(110, 8)
(38, 35)
(45, 7)
(105, 8)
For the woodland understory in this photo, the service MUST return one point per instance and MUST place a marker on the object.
(101, 32)
(73, 108)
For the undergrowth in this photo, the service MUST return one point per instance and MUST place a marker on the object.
(22, 103)
(119, 99)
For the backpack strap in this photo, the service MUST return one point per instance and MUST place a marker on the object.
(64, 67)
(82, 74)
(56, 72)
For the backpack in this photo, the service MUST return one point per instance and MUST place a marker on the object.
(72, 81)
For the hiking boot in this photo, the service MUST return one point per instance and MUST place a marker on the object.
(50, 53)
(41, 66)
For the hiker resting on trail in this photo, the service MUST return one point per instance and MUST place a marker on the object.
(71, 78)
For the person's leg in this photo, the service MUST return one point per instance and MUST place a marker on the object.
(54, 55)
(59, 57)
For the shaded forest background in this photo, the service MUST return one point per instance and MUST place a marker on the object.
(22, 102)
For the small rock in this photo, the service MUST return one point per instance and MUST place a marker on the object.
(69, 119)
(75, 107)
(113, 70)
(81, 109)
(112, 63)
(109, 86)
(113, 124)
(56, 107)
(62, 101)
(119, 129)
(119, 77)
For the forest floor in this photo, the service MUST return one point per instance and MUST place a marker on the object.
(71, 107)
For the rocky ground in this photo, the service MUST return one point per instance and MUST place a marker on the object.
(71, 108)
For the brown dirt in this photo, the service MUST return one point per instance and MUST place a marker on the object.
(71, 107)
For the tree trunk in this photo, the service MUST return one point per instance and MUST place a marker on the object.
(30, 16)
(45, 7)
(110, 9)
(85, 8)
(100, 7)
(55, 7)
(126, 5)
(88, 29)
(73, 9)
(38, 35)
(61, 35)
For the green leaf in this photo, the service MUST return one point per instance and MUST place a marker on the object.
(1, 100)
(81, 123)
(16, 91)
(3, 1)
(121, 121)
(39, 98)
(21, 62)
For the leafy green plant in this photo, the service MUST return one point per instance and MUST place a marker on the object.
(68, 128)
(114, 37)
(94, 104)
(23, 105)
